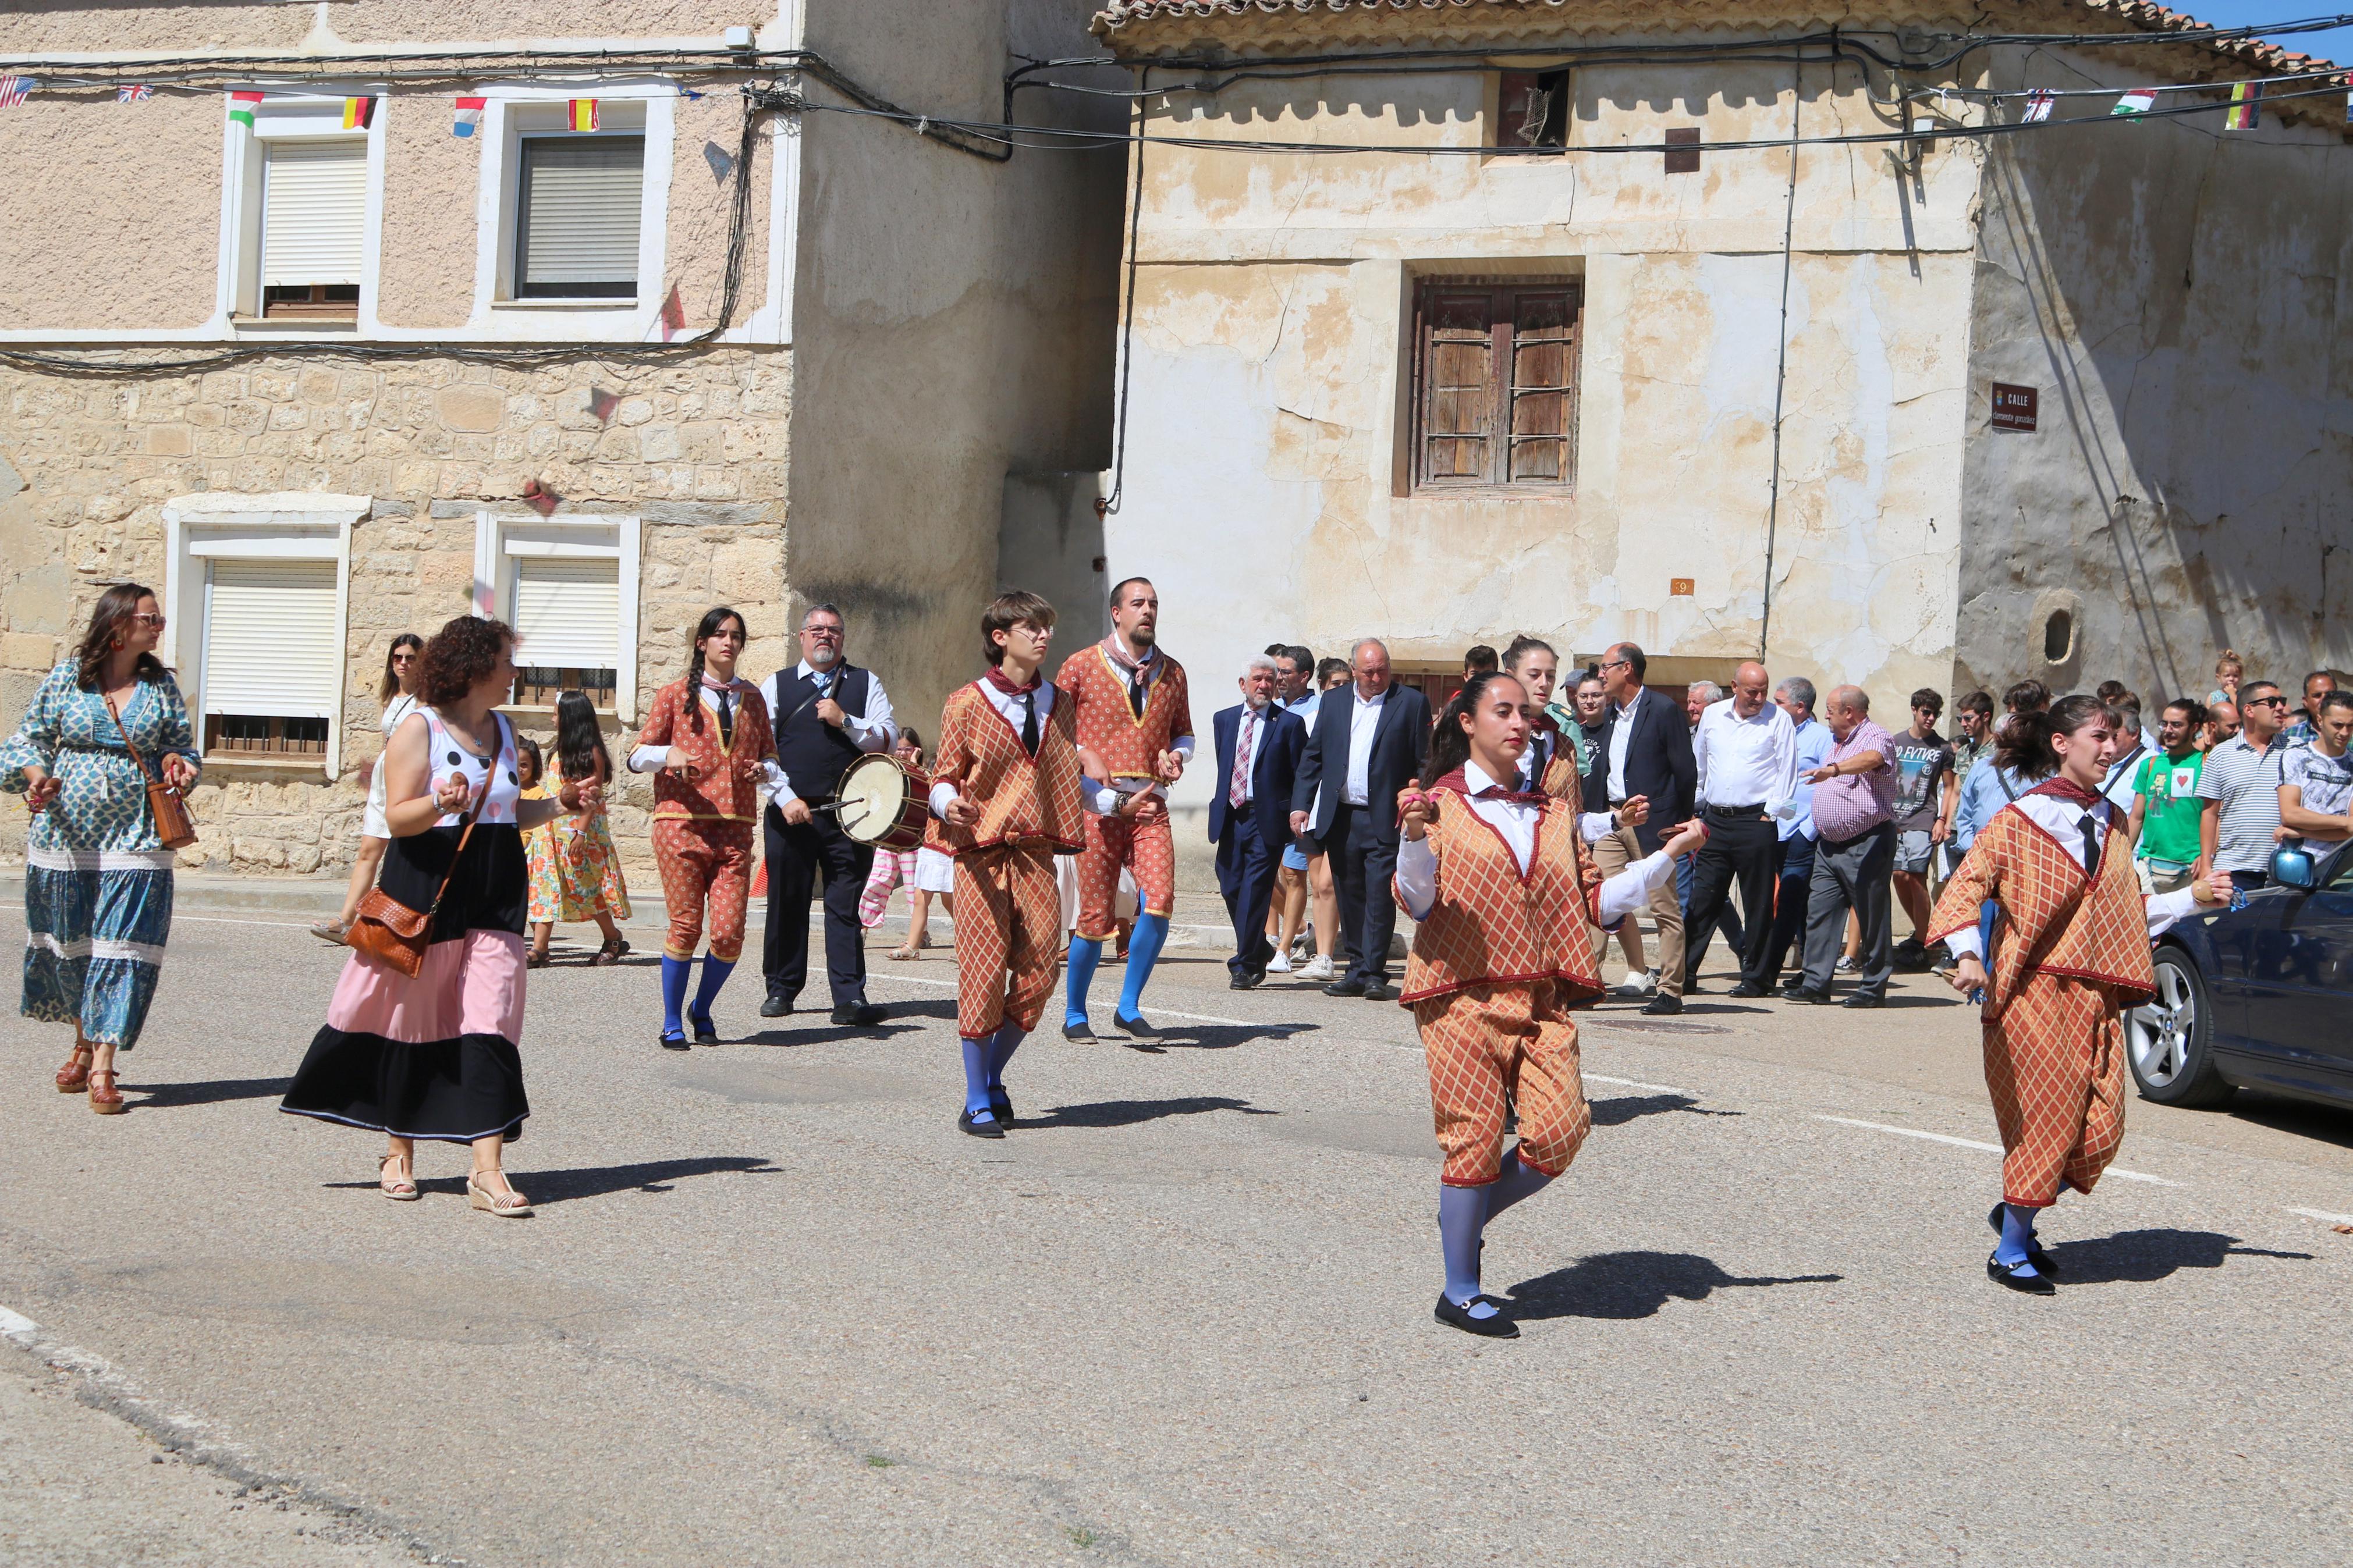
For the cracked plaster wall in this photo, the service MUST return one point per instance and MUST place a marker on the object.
(2176, 294)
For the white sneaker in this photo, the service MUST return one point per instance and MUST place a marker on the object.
(1644, 985)
(1279, 964)
(1318, 968)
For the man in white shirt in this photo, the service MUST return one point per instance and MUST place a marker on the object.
(1746, 750)
(827, 714)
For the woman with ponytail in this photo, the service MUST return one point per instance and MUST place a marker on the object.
(714, 759)
(1507, 905)
(2069, 954)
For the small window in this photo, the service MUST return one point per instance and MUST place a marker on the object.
(579, 198)
(1495, 395)
(314, 222)
(567, 621)
(2058, 637)
(272, 656)
(1532, 109)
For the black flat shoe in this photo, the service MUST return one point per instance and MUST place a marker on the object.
(670, 1042)
(2042, 1262)
(1345, 988)
(1498, 1326)
(858, 1015)
(1664, 1006)
(1380, 991)
(1247, 979)
(776, 1007)
(1000, 1105)
(705, 1034)
(1806, 994)
(1135, 1028)
(1082, 1030)
(2005, 1274)
(978, 1128)
(1746, 988)
(1864, 999)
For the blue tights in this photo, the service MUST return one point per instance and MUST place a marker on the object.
(984, 1069)
(1462, 1216)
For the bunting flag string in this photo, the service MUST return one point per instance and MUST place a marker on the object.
(470, 117)
(673, 315)
(14, 89)
(357, 113)
(2245, 98)
(2139, 101)
(241, 106)
(2038, 106)
(583, 114)
(138, 92)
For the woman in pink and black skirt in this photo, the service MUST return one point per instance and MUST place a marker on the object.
(436, 1057)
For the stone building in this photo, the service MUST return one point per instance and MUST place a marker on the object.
(1451, 319)
(334, 322)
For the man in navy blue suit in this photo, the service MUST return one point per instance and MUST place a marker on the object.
(1369, 742)
(1250, 814)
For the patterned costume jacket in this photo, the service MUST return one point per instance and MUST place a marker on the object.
(1107, 725)
(728, 788)
(2053, 922)
(1025, 801)
(1492, 924)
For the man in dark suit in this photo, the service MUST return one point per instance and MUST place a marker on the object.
(1647, 751)
(1369, 742)
(1250, 814)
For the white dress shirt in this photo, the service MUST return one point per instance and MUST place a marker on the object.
(1620, 732)
(873, 730)
(1746, 762)
(772, 783)
(1622, 895)
(2064, 820)
(1009, 704)
(1364, 718)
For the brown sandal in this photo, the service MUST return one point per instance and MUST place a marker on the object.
(399, 1189)
(74, 1076)
(107, 1101)
(610, 954)
(535, 958)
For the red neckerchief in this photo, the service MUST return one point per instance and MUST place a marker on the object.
(996, 677)
(1545, 720)
(2068, 790)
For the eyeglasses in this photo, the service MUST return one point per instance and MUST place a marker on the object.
(1616, 664)
(405, 656)
(154, 621)
(831, 634)
(2264, 702)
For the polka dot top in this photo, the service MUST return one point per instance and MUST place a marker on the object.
(450, 759)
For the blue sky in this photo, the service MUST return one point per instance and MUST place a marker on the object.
(2336, 43)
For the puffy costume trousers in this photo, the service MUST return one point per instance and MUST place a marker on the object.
(1486, 1042)
(1009, 937)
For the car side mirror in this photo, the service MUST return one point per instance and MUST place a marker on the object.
(2292, 867)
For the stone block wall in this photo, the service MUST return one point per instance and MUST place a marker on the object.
(696, 448)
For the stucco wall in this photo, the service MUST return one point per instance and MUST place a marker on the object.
(693, 449)
(950, 324)
(2178, 296)
(1272, 315)
(46, 25)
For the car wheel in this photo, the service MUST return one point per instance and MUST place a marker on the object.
(2169, 1041)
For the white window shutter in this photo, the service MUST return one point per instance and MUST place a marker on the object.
(581, 196)
(314, 211)
(567, 612)
(269, 639)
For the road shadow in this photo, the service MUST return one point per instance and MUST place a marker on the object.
(214, 1091)
(1628, 1285)
(545, 1187)
(1184, 1037)
(1133, 1112)
(826, 1034)
(2145, 1256)
(1627, 1108)
(2321, 1123)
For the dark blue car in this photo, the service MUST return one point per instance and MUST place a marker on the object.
(2256, 998)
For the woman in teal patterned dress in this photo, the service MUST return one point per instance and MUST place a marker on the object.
(98, 882)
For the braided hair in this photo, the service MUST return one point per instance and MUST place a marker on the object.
(713, 619)
(1449, 747)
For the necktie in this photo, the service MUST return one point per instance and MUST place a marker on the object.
(1030, 722)
(1516, 796)
(726, 703)
(1238, 791)
(1135, 691)
(2091, 847)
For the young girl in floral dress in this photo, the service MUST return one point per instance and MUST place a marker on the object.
(575, 874)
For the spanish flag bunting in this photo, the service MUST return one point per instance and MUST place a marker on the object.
(241, 106)
(673, 315)
(2245, 96)
(583, 114)
(357, 111)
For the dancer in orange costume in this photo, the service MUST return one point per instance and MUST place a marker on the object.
(706, 741)
(2070, 954)
(1135, 734)
(1007, 790)
(1506, 906)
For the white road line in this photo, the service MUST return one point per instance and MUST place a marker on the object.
(1638, 1083)
(1163, 1012)
(2324, 1215)
(2115, 1171)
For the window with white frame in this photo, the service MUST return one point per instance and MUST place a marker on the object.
(301, 217)
(257, 589)
(573, 192)
(569, 588)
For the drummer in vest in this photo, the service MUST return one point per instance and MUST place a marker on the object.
(827, 714)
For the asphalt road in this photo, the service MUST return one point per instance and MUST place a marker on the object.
(775, 1309)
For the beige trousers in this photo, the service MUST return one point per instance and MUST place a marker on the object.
(1618, 850)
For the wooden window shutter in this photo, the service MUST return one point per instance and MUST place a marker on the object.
(270, 646)
(1543, 390)
(576, 229)
(1457, 412)
(314, 211)
(567, 612)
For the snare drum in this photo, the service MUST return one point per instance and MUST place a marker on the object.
(880, 803)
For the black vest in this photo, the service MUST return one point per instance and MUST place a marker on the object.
(813, 753)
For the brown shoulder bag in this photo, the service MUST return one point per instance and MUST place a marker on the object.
(390, 931)
(164, 803)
